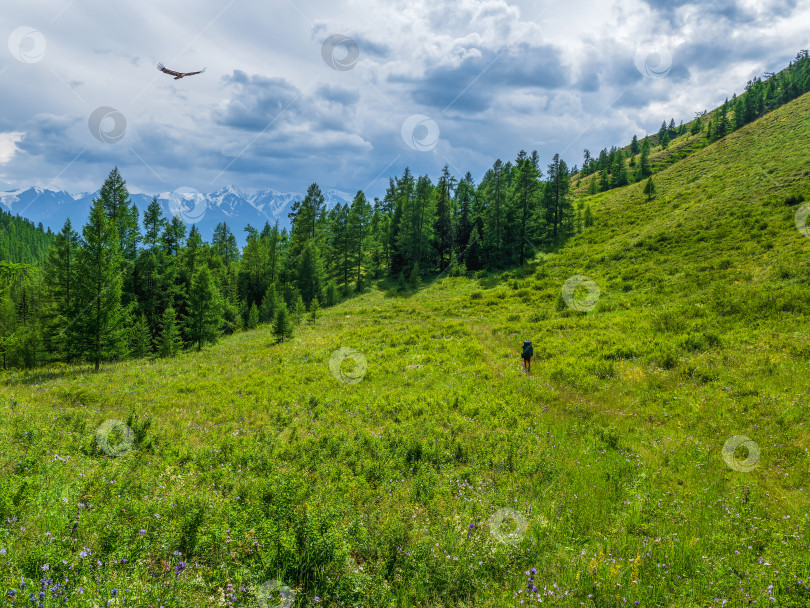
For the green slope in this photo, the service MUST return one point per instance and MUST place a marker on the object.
(383, 492)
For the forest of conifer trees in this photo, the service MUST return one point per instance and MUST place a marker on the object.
(131, 286)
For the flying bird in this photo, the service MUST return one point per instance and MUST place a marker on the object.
(177, 75)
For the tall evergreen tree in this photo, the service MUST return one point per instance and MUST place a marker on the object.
(310, 274)
(619, 175)
(114, 199)
(60, 305)
(282, 325)
(649, 189)
(644, 167)
(443, 226)
(556, 200)
(170, 341)
(306, 216)
(205, 309)
(224, 243)
(253, 317)
(465, 197)
(359, 234)
(140, 338)
(525, 193)
(270, 303)
(154, 224)
(494, 186)
(99, 330)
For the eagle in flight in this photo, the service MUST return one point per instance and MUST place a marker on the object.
(177, 75)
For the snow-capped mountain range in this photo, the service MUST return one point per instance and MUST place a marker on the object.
(230, 205)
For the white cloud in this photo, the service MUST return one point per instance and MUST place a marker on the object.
(8, 145)
(497, 76)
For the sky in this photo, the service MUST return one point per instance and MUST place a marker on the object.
(348, 94)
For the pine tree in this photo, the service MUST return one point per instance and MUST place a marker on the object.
(306, 218)
(170, 341)
(644, 167)
(253, 268)
(205, 309)
(634, 148)
(556, 200)
(99, 331)
(310, 274)
(592, 187)
(697, 125)
(359, 219)
(8, 327)
(299, 309)
(223, 243)
(619, 177)
(253, 317)
(588, 216)
(140, 338)
(282, 325)
(649, 189)
(59, 293)
(114, 199)
(331, 294)
(413, 277)
(493, 189)
(604, 181)
(443, 226)
(525, 194)
(174, 236)
(465, 194)
(154, 224)
(267, 311)
(313, 311)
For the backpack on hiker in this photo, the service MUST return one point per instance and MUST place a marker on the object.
(528, 350)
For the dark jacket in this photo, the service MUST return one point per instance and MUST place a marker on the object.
(528, 350)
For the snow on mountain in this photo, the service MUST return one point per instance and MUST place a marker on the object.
(229, 204)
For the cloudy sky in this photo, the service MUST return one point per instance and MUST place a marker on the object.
(349, 93)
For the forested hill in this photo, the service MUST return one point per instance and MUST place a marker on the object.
(22, 241)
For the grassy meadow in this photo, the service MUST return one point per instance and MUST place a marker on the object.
(440, 474)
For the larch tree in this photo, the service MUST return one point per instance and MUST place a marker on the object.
(99, 330)
(204, 318)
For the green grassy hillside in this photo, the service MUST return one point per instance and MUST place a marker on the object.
(251, 461)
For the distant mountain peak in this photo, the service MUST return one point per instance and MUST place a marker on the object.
(228, 204)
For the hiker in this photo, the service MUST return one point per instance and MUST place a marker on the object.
(528, 352)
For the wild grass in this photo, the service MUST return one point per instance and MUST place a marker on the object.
(251, 461)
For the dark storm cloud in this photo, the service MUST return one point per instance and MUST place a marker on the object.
(258, 100)
(478, 80)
